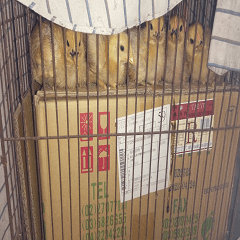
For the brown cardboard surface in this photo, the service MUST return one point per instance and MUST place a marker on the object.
(28, 176)
(73, 200)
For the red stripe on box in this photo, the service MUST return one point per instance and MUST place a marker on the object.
(209, 110)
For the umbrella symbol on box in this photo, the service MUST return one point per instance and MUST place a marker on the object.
(104, 124)
(86, 158)
(103, 158)
(86, 123)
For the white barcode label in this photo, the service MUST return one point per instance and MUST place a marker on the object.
(143, 155)
(122, 167)
(205, 123)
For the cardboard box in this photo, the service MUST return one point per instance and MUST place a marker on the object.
(82, 199)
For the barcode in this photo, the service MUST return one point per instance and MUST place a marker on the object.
(122, 167)
(206, 123)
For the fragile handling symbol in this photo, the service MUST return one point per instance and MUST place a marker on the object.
(104, 124)
(86, 125)
(104, 158)
(86, 158)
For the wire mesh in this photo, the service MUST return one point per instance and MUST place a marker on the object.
(139, 210)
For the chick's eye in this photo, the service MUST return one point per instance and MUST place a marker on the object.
(191, 40)
(151, 26)
(180, 28)
(79, 44)
(122, 48)
(68, 43)
(201, 42)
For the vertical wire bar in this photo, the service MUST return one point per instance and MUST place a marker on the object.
(87, 75)
(169, 138)
(150, 167)
(192, 143)
(19, 202)
(67, 111)
(9, 120)
(107, 132)
(7, 74)
(212, 12)
(35, 124)
(46, 118)
(88, 111)
(12, 65)
(12, 133)
(21, 26)
(200, 137)
(116, 157)
(78, 123)
(226, 171)
(57, 123)
(22, 46)
(123, 204)
(143, 136)
(134, 136)
(25, 49)
(213, 155)
(16, 34)
(12, 146)
(107, 39)
(204, 15)
(4, 162)
(87, 81)
(159, 146)
(190, 167)
(173, 155)
(180, 100)
(216, 143)
(235, 204)
(97, 80)
(172, 102)
(232, 183)
(196, 109)
(151, 142)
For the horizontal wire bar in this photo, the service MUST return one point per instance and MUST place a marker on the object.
(120, 134)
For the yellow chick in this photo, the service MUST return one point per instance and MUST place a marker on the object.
(113, 61)
(71, 56)
(153, 31)
(198, 53)
(157, 35)
(176, 37)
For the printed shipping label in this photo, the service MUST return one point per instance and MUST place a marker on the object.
(199, 140)
(127, 157)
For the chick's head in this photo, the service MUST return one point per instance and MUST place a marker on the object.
(176, 29)
(156, 30)
(72, 48)
(197, 29)
(123, 49)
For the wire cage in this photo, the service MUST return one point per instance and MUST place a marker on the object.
(104, 137)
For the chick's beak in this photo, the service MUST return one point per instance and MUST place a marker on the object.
(131, 60)
(131, 57)
(173, 34)
(157, 34)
